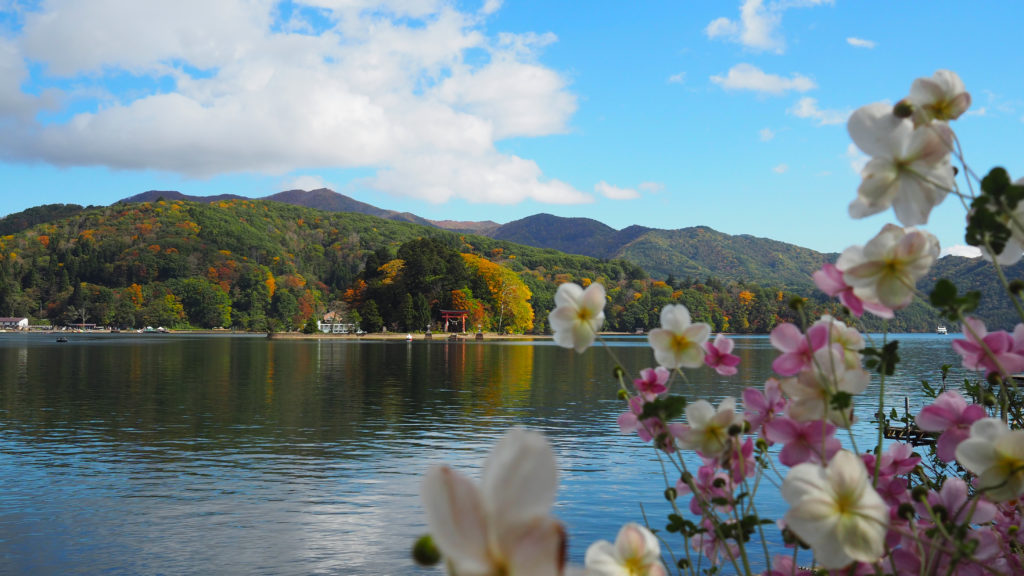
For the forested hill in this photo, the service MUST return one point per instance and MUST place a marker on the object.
(261, 265)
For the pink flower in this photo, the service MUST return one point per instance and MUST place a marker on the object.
(953, 496)
(898, 458)
(951, 415)
(739, 460)
(761, 407)
(719, 356)
(715, 550)
(784, 566)
(811, 441)
(797, 349)
(1004, 354)
(710, 484)
(650, 428)
(830, 281)
(651, 383)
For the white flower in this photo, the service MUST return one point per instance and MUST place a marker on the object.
(886, 269)
(636, 552)
(504, 526)
(845, 336)
(678, 343)
(578, 315)
(809, 392)
(836, 511)
(996, 454)
(909, 169)
(941, 97)
(708, 429)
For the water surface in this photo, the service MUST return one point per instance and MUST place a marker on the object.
(168, 454)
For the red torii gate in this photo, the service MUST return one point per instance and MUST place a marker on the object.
(447, 315)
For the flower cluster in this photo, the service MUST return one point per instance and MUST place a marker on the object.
(957, 508)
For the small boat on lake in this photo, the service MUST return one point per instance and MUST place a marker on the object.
(62, 339)
(941, 330)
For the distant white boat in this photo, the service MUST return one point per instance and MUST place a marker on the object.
(941, 330)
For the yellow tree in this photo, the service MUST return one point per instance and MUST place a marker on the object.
(509, 295)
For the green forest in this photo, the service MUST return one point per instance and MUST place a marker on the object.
(265, 266)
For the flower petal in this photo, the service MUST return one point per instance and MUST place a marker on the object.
(455, 518)
(520, 478)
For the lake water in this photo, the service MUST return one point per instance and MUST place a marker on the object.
(168, 454)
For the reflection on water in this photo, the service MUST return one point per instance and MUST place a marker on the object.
(242, 455)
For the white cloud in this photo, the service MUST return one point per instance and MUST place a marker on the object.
(414, 89)
(614, 192)
(766, 134)
(491, 6)
(307, 182)
(982, 111)
(652, 187)
(677, 78)
(721, 27)
(781, 169)
(962, 250)
(808, 108)
(860, 42)
(858, 160)
(749, 77)
(759, 23)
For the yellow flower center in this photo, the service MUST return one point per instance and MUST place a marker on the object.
(680, 343)
(634, 566)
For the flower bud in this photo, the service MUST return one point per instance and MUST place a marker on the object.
(919, 494)
(623, 395)
(670, 494)
(618, 373)
(903, 109)
(906, 511)
(686, 478)
(425, 552)
(718, 482)
(1017, 286)
(761, 444)
(735, 430)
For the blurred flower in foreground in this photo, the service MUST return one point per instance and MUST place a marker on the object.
(504, 525)
(887, 268)
(941, 97)
(996, 352)
(909, 169)
(996, 454)
(952, 416)
(636, 552)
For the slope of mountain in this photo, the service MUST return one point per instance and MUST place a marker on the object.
(571, 235)
(699, 252)
(483, 228)
(696, 252)
(170, 195)
(19, 221)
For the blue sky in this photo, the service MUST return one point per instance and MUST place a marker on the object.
(662, 113)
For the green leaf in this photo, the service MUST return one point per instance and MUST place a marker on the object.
(995, 182)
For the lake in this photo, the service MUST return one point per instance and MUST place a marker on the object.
(171, 454)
